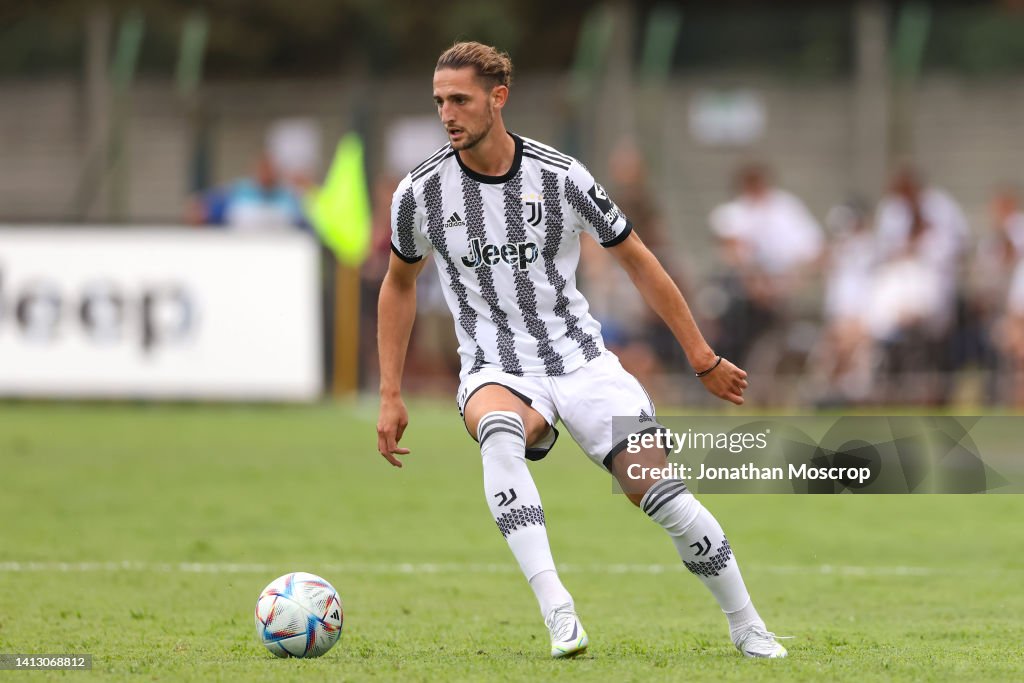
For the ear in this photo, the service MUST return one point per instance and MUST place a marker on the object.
(499, 95)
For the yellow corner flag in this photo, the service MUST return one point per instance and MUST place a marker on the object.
(340, 210)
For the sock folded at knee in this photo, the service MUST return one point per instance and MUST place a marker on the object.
(515, 504)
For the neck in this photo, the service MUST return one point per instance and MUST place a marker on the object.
(494, 154)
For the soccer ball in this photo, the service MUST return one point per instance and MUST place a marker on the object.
(298, 615)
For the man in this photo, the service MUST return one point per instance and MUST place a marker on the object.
(502, 215)
(263, 202)
(913, 310)
(769, 241)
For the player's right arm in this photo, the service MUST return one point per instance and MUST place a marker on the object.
(396, 311)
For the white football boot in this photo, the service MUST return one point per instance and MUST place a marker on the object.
(754, 641)
(568, 637)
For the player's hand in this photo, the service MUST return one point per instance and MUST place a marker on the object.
(726, 382)
(391, 424)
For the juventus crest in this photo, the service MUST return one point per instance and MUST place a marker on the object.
(533, 208)
(533, 212)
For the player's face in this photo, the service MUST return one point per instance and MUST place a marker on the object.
(466, 108)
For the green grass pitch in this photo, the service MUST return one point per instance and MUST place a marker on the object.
(206, 504)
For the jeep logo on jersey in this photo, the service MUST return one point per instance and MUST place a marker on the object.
(516, 254)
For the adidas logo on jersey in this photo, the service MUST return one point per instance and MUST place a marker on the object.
(517, 254)
(454, 221)
(644, 417)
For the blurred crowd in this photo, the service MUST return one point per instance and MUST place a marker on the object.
(896, 303)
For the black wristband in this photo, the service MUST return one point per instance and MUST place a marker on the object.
(704, 373)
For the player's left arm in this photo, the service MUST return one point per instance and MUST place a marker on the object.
(659, 291)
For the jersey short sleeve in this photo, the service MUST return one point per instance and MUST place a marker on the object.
(407, 238)
(596, 213)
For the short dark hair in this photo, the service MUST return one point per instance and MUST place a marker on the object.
(492, 66)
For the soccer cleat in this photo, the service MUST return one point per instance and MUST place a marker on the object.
(568, 637)
(757, 642)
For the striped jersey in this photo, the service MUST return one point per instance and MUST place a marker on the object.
(506, 249)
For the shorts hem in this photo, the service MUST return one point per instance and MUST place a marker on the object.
(532, 453)
(621, 446)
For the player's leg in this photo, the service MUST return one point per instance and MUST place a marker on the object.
(587, 400)
(700, 542)
(505, 425)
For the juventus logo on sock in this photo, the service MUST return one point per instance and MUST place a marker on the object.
(702, 549)
(506, 498)
(715, 563)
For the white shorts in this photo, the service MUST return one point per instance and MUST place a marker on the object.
(585, 400)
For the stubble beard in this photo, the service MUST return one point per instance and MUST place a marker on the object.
(472, 141)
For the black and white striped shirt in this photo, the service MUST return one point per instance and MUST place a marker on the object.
(506, 249)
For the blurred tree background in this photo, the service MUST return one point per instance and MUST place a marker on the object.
(285, 38)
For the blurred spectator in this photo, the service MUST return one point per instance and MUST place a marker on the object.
(630, 328)
(1013, 336)
(769, 242)
(843, 360)
(925, 220)
(852, 255)
(260, 203)
(913, 305)
(997, 299)
(999, 250)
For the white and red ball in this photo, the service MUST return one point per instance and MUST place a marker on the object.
(299, 615)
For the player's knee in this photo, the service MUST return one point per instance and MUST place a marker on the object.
(638, 490)
(637, 472)
(670, 504)
(500, 428)
(533, 429)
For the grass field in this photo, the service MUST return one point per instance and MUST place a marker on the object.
(143, 534)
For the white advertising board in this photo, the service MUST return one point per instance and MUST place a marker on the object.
(159, 313)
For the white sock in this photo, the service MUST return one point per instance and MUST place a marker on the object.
(515, 504)
(705, 551)
(549, 591)
(740, 619)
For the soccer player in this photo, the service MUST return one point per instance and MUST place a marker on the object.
(502, 216)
